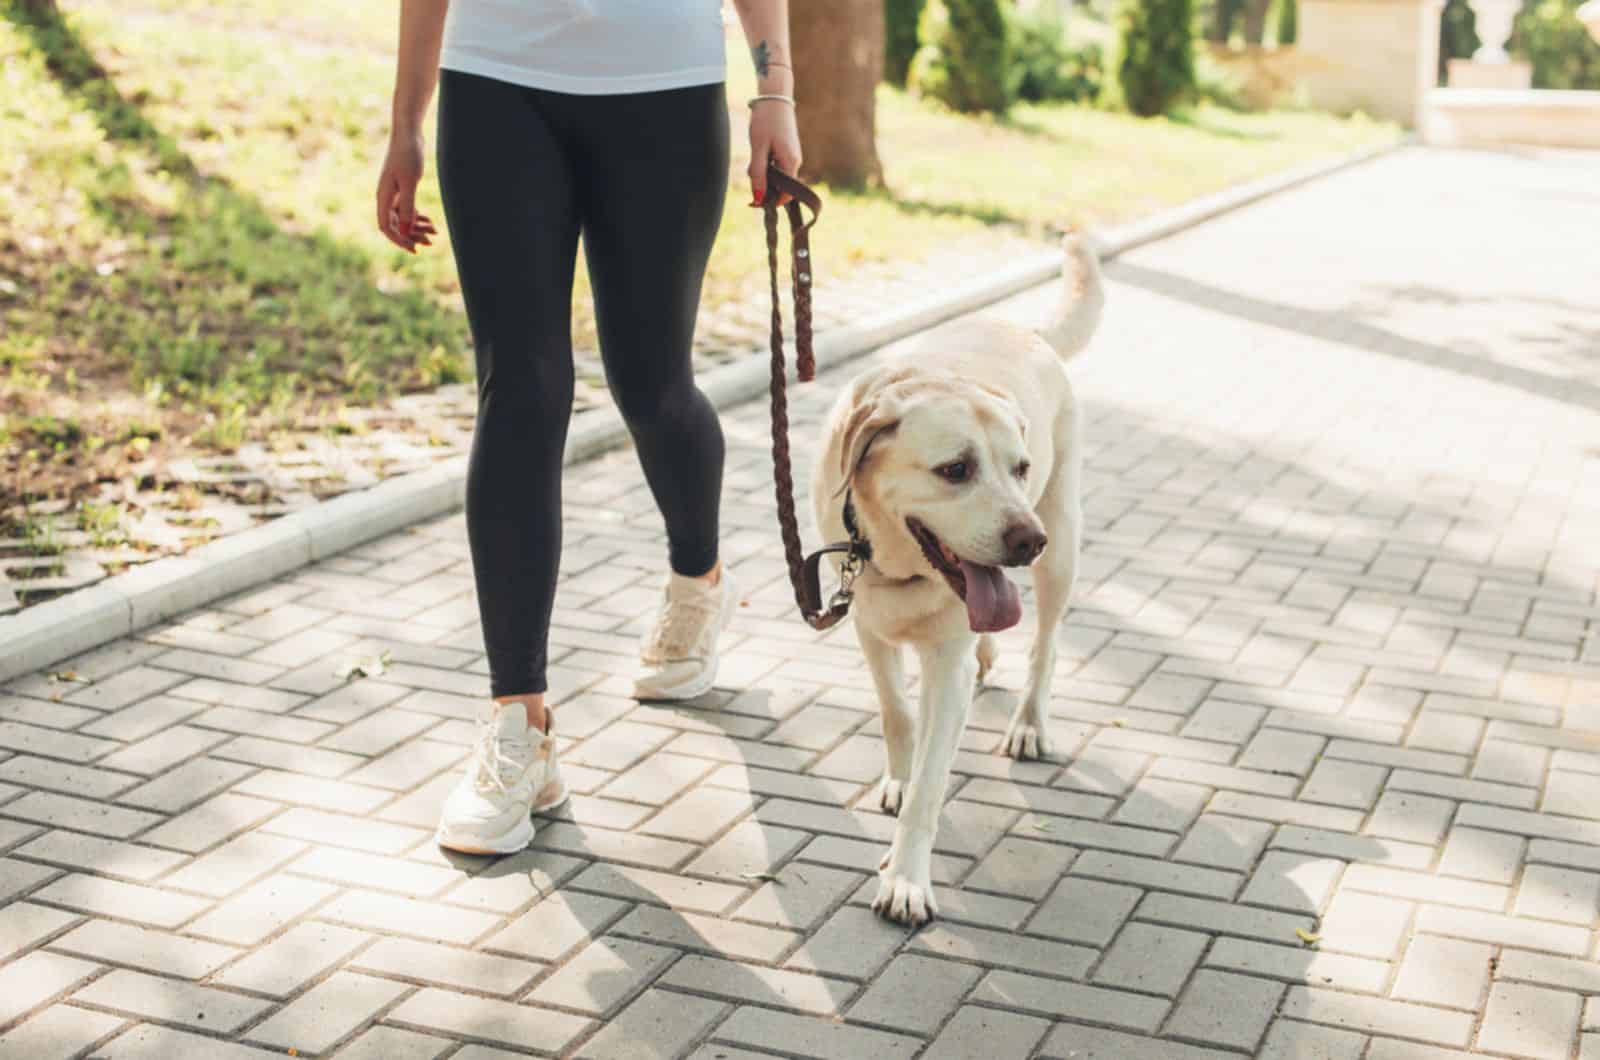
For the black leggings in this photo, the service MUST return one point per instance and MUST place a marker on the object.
(643, 178)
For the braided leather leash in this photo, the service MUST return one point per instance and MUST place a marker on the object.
(804, 571)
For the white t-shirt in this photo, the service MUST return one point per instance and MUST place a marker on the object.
(587, 47)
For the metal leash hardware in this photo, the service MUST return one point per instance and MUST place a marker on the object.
(805, 574)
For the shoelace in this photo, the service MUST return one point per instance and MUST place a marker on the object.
(674, 634)
(492, 763)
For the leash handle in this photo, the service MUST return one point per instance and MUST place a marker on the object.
(804, 573)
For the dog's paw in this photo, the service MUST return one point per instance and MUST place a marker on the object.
(903, 900)
(1024, 740)
(891, 793)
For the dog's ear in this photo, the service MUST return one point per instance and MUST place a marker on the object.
(869, 419)
(874, 410)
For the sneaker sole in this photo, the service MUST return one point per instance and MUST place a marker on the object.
(706, 681)
(512, 842)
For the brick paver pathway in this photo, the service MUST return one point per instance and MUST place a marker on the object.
(1332, 673)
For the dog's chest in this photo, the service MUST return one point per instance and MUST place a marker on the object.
(919, 611)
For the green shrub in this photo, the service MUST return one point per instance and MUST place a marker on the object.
(963, 58)
(1549, 35)
(1288, 21)
(1155, 67)
(900, 19)
(1045, 68)
(1458, 34)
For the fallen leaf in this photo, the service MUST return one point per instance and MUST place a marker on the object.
(1043, 826)
(762, 876)
(71, 675)
(1119, 722)
(373, 666)
(1307, 937)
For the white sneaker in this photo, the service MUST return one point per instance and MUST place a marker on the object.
(679, 660)
(509, 778)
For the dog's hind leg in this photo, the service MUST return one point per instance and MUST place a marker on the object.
(1027, 736)
(988, 655)
(899, 723)
(905, 887)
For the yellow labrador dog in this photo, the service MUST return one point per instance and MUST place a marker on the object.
(955, 461)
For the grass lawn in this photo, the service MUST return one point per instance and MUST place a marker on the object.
(189, 260)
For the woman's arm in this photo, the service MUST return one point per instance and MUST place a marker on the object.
(773, 132)
(416, 76)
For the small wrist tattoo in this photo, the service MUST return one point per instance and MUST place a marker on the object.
(762, 56)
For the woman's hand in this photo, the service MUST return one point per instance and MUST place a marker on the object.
(398, 218)
(774, 135)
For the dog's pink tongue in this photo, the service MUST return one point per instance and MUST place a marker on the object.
(993, 603)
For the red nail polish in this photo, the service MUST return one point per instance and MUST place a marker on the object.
(760, 194)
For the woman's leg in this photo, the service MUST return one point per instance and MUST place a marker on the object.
(655, 174)
(511, 203)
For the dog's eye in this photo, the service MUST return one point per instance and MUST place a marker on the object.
(1022, 470)
(955, 471)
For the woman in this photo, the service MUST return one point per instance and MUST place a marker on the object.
(605, 118)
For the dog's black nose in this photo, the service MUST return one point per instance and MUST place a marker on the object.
(1023, 544)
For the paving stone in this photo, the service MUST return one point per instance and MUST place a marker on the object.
(599, 977)
(799, 898)
(36, 977)
(1410, 818)
(148, 1041)
(1223, 842)
(914, 994)
(1529, 1021)
(1086, 911)
(1072, 1042)
(392, 1043)
(557, 925)
(775, 987)
(1489, 856)
(393, 915)
(1021, 867)
(658, 888)
(693, 931)
(168, 1000)
(1225, 1009)
(1152, 959)
(130, 901)
(657, 1026)
(1288, 1040)
(259, 910)
(210, 822)
(1498, 929)
(812, 1036)
(155, 951)
(1295, 963)
(1439, 971)
(182, 787)
(329, 1011)
(464, 1015)
(57, 1033)
(1342, 783)
(300, 954)
(1552, 893)
(853, 942)
(1377, 1015)
(93, 854)
(65, 811)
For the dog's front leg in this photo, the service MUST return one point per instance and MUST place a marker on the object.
(905, 883)
(1028, 734)
(899, 724)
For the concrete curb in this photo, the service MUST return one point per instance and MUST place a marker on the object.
(126, 603)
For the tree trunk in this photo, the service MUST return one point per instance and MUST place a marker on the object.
(38, 7)
(1255, 21)
(1219, 27)
(838, 61)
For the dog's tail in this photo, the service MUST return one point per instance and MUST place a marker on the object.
(1083, 297)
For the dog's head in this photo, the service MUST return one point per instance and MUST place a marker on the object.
(938, 469)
